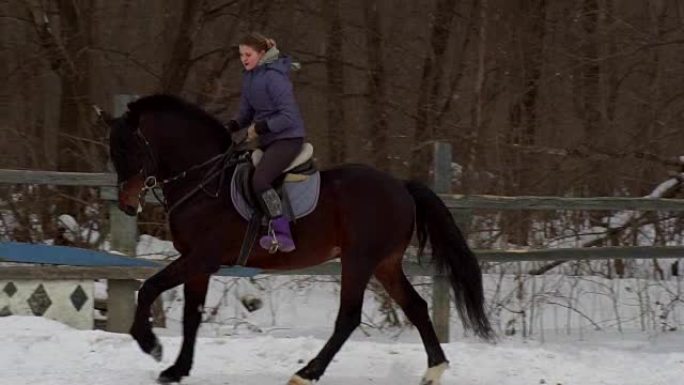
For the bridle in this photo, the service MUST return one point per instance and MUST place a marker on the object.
(219, 164)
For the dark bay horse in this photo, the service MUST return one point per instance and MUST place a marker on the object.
(364, 217)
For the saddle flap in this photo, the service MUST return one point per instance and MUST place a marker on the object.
(301, 195)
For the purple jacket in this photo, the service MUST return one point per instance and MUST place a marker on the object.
(267, 96)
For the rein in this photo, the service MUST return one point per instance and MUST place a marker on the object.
(220, 163)
(226, 161)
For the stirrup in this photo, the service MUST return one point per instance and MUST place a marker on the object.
(274, 240)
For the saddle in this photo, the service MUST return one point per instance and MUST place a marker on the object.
(300, 168)
(298, 187)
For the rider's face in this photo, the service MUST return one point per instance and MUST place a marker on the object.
(250, 57)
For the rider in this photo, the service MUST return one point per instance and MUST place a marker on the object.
(269, 113)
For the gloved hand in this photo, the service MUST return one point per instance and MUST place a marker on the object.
(251, 133)
(232, 126)
(239, 136)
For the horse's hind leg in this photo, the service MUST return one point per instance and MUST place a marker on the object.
(354, 282)
(393, 279)
(172, 275)
(195, 292)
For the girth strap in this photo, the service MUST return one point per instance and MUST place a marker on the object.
(253, 227)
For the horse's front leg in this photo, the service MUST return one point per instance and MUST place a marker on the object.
(195, 291)
(354, 282)
(172, 275)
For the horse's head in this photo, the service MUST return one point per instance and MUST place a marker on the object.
(127, 155)
(160, 137)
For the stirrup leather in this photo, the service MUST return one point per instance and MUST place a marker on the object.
(271, 203)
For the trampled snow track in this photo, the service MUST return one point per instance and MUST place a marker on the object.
(38, 351)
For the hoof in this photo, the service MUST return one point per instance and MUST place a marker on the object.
(296, 380)
(148, 342)
(170, 376)
(157, 351)
(167, 380)
(433, 375)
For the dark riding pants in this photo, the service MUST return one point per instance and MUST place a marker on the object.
(277, 156)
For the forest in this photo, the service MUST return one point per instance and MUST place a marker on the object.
(572, 98)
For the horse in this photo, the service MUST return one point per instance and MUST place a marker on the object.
(364, 217)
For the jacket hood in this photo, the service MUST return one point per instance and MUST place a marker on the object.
(281, 64)
(270, 56)
(273, 60)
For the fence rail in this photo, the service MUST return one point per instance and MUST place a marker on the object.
(57, 178)
(490, 202)
(412, 268)
(453, 201)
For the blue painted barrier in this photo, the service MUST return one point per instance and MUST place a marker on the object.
(73, 256)
(63, 255)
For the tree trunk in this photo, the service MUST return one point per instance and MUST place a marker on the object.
(458, 71)
(428, 92)
(73, 65)
(337, 147)
(211, 90)
(478, 99)
(523, 114)
(590, 71)
(533, 58)
(178, 61)
(377, 87)
(598, 183)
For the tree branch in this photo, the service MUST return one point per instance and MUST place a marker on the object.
(129, 57)
(636, 221)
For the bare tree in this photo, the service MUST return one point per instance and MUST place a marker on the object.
(537, 97)
(337, 138)
(525, 120)
(476, 114)
(211, 83)
(431, 79)
(377, 86)
(178, 60)
(68, 55)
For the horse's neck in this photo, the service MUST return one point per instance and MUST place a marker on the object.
(183, 154)
(207, 183)
(184, 159)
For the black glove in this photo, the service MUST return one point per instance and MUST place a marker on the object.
(261, 127)
(232, 126)
(239, 136)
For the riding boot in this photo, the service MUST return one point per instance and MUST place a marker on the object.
(279, 237)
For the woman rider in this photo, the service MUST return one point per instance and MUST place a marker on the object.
(269, 112)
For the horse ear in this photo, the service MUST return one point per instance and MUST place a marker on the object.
(102, 115)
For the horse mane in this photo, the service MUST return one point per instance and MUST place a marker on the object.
(176, 105)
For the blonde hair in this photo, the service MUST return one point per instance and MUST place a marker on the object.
(257, 41)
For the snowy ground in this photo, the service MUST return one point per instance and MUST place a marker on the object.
(38, 351)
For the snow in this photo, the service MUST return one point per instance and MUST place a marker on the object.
(39, 351)
(69, 225)
(150, 247)
(560, 344)
(660, 190)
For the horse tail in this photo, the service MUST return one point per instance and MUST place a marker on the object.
(451, 254)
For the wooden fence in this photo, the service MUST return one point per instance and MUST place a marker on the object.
(122, 282)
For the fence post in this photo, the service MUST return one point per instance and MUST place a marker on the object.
(441, 288)
(124, 234)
